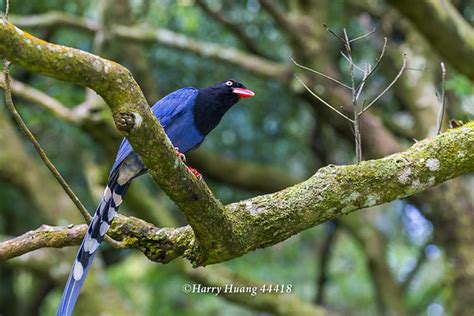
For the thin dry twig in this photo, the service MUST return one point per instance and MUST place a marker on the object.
(362, 83)
(442, 109)
(388, 87)
(320, 74)
(44, 157)
(382, 53)
(355, 65)
(16, 116)
(356, 116)
(363, 36)
(334, 33)
(322, 101)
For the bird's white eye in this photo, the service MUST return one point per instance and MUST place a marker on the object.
(229, 83)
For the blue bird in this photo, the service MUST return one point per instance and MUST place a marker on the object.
(187, 116)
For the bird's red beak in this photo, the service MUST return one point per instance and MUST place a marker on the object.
(243, 93)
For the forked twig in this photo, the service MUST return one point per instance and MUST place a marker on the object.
(356, 89)
(320, 74)
(371, 72)
(355, 65)
(363, 36)
(322, 101)
(388, 87)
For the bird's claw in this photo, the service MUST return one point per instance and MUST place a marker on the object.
(195, 172)
(180, 154)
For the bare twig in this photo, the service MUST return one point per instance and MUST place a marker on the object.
(388, 87)
(355, 65)
(356, 89)
(362, 83)
(320, 74)
(363, 36)
(356, 118)
(376, 64)
(24, 128)
(334, 33)
(322, 101)
(442, 109)
(11, 108)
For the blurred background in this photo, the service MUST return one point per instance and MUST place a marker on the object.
(408, 257)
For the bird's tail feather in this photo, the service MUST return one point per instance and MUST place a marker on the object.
(99, 225)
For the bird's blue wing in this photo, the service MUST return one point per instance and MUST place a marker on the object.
(174, 104)
(166, 110)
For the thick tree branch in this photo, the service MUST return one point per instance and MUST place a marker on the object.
(43, 237)
(265, 220)
(444, 28)
(135, 120)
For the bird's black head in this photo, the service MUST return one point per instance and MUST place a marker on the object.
(214, 101)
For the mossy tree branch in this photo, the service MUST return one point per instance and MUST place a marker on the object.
(134, 119)
(333, 191)
(243, 226)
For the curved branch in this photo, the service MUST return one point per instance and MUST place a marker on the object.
(135, 120)
(55, 18)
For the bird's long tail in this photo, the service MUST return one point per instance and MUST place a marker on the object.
(99, 225)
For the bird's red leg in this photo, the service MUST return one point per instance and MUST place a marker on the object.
(183, 158)
(180, 155)
(195, 172)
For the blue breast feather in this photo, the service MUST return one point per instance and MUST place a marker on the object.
(175, 114)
